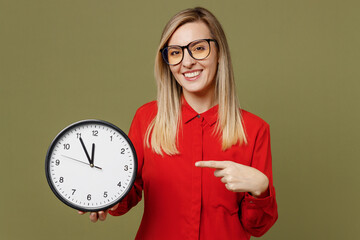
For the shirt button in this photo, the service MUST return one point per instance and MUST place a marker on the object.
(198, 116)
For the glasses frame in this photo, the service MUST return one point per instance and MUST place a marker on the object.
(187, 47)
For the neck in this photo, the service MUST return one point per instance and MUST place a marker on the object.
(200, 102)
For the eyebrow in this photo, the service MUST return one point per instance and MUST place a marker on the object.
(177, 45)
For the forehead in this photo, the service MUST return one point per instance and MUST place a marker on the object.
(189, 32)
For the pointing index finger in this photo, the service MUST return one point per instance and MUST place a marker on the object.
(212, 164)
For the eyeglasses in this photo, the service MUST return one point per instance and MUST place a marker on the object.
(198, 49)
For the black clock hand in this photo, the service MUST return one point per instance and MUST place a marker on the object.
(80, 161)
(92, 153)
(87, 154)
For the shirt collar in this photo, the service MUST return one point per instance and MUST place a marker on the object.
(188, 113)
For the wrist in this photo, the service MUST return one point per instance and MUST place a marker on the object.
(263, 194)
(263, 188)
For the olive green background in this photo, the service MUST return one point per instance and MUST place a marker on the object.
(296, 65)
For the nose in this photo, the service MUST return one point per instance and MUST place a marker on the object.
(188, 61)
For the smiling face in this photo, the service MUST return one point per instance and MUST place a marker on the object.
(197, 77)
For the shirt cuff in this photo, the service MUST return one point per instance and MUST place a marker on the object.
(261, 201)
(121, 209)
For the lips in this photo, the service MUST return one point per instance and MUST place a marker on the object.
(193, 75)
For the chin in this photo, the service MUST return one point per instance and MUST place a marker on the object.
(192, 89)
(196, 91)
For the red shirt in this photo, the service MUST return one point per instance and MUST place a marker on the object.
(186, 202)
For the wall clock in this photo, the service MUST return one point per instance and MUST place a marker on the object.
(91, 165)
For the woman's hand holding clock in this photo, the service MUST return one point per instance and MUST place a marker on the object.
(238, 177)
(101, 215)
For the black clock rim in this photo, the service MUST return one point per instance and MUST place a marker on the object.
(60, 134)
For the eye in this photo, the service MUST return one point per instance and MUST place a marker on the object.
(199, 47)
(174, 52)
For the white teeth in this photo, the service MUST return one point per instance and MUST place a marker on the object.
(192, 74)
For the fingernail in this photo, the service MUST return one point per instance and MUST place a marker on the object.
(197, 164)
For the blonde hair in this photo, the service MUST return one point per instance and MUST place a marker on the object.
(162, 131)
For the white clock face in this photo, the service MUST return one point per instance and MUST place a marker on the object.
(91, 165)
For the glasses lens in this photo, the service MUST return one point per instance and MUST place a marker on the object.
(200, 49)
(173, 55)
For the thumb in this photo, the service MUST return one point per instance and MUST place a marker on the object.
(114, 207)
(81, 212)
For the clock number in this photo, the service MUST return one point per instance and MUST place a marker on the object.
(126, 167)
(111, 138)
(119, 184)
(61, 180)
(123, 151)
(89, 197)
(74, 190)
(105, 194)
(78, 135)
(66, 146)
(57, 162)
(95, 133)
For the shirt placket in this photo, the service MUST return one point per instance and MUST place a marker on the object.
(196, 177)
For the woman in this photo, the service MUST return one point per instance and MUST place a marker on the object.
(204, 164)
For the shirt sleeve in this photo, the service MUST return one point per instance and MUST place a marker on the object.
(259, 214)
(135, 194)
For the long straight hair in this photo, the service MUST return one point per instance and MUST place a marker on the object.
(162, 132)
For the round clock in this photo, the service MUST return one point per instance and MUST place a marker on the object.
(91, 165)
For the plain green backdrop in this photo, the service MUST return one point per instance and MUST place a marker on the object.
(296, 65)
